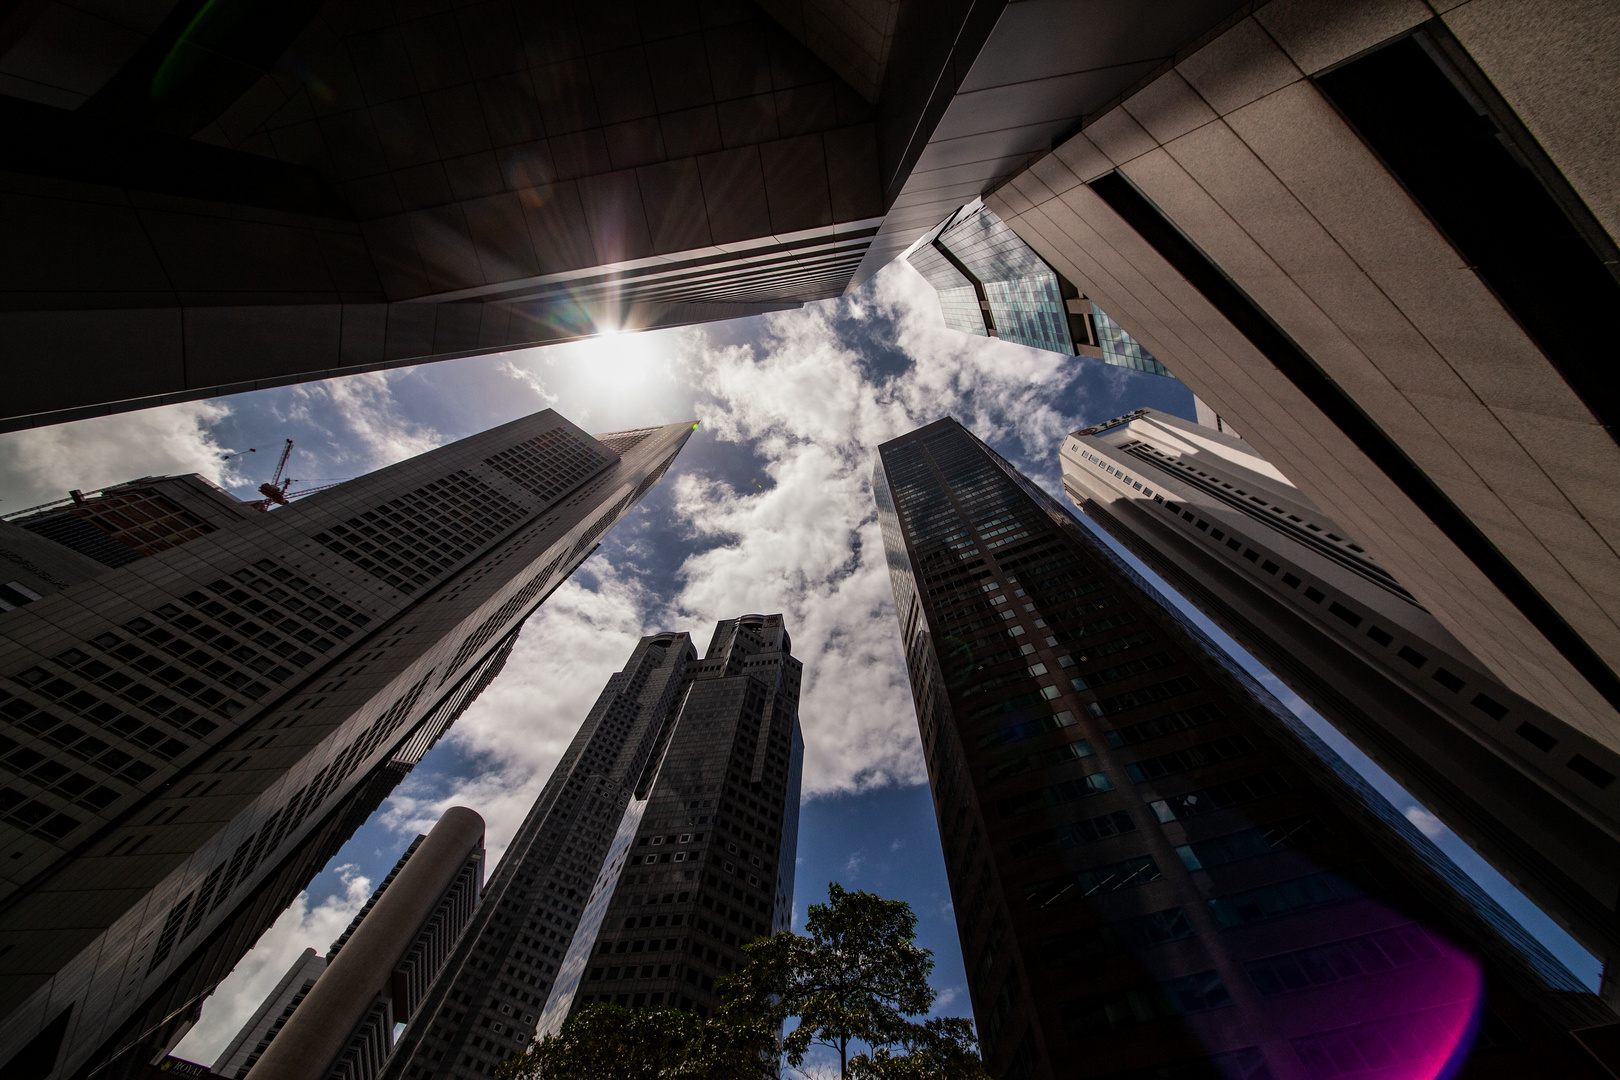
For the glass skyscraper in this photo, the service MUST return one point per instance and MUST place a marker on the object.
(991, 283)
(1122, 350)
(1156, 869)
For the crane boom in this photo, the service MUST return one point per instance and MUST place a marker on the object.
(281, 465)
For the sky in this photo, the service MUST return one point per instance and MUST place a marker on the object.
(768, 509)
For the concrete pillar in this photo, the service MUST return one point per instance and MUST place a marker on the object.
(320, 1028)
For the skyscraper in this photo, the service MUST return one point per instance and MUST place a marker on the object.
(187, 732)
(725, 803)
(380, 971)
(1237, 539)
(687, 765)
(1381, 248)
(992, 284)
(245, 1047)
(1155, 868)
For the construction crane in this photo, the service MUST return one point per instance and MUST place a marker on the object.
(276, 492)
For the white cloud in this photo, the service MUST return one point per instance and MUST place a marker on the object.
(368, 427)
(520, 727)
(808, 545)
(1426, 823)
(250, 982)
(40, 464)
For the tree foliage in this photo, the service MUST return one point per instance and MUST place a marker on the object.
(606, 1042)
(857, 978)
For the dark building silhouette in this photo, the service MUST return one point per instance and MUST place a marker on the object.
(662, 842)
(1156, 869)
(202, 200)
(188, 737)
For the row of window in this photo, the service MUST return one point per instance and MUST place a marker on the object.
(1583, 766)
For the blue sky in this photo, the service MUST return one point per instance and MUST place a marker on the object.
(768, 509)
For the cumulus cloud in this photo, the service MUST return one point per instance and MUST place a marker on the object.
(366, 424)
(40, 464)
(519, 728)
(300, 927)
(799, 536)
(808, 545)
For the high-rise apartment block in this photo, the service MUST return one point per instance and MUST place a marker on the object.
(1155, 868)
(663, 842)
(188, 737)
(992, 284)
(1290, 584)
(1381, 246)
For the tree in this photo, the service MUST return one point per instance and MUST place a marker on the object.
(606, 1042)
(857, 978)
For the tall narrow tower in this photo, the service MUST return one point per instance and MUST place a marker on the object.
(185, 732)
(663, 842)
(711, 865)
(1156, 869)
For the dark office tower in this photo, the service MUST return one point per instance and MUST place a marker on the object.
(992, 284)
(1382, 247)
(712, 861)
(182, 733)
(1156, 869)
(682, 763)
(486, 1005)
(1305, 598)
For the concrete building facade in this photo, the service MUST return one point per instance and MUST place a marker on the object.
(248, 1044)
(1376, 238)
(188, 736)
(720, 828)
(326, 187)
(1236, 538)
(1155, 868)
(486, 1006)
(379, 971)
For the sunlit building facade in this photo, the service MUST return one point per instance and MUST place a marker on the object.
(188, 737)
(1156, 869)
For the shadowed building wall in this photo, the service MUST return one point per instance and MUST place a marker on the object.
(1232, 535)
(203, 199)
(1155, 868)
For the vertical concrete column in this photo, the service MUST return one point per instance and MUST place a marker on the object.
(317, 1032)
